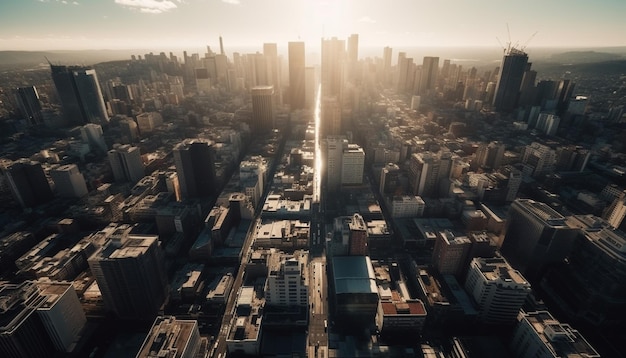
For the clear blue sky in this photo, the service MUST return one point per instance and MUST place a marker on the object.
(175, 24)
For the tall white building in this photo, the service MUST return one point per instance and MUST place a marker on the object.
(540, 335)
(126, 163)
(69, 181)
(252, 177)
(540, 157)
(285, 284)
(407, 206)
(334, 156)
(616, 212)
(352, 163)
(498, 290)
(147, 122)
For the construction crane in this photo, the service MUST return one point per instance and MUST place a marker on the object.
(528, 41)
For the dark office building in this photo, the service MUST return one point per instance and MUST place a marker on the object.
(80, 94)
(28, 101)
(262, 108)
(28, 183)
(195, 166)
(296, 75)
(514, 65)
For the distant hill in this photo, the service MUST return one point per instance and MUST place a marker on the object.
(575, 57)
(85, 57)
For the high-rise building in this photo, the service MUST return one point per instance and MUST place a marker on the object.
(80, 94)
(171, 337)
(390, 180)
(536, 235)
(334, 146)
(357, 238)
(352, 164)
(270, 51)
(490, 155)
(548, 123)
(28, 101)
(69, 181)
(616, 212)
(331, 121)
(540, 158)
(286, 283)
(450, 253)
(28, 183)
(353, 57)
(514, 65)
(147, 122)
(131, 275)
(426, 170)
(539, 334)
(296, 75)
(497, 289)
(91, 133)
(589, 287)
(195, 166)
(126, 163)
(387, 52)
(203, 80)
(428, 78)
(333, 59)
(263, 108)
(39, 318)
(129, 131)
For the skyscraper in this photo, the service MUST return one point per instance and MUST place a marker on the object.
(262, 108)
(536, 235)
(333, 58)
(353, 57)
(68, 181)
(331, 119)
(426, 170)
(296, 75)
(514, 65)
(131, 275)
(428, 78)
(334, 146)
(357, 239)
(28, 183)
(387, 53)
(352, 164)
(80, 94)
(616, 212)
(195, 166)
(91, 133)
(171, 337)
(126, 163)
(28, 102)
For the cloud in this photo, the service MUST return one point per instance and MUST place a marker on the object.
(232, 2)
(64, 2)
(149, 6)
(367, 19)
(75, 3)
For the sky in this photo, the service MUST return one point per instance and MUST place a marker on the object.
(40, 25)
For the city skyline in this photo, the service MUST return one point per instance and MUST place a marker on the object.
(77, 25)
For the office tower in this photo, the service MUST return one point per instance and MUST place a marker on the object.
(415, 102)
(270, 51)
(311, 86)
(589, 287)
(357, 238)
(126, 163)
(130, 272)
(536, 235)
(390, 184)
(489, 155)
(39, 317)
(403, 72)
(80, 95)
(428, 78)
(548, 123)
(333, 58)
(28, 183)
(129, 131)
(514, 64)
(387, 52)
(171, 337)
(498, 290)
(203, 80)
(68, 181)
(450, 253)
(331, 120)
(262, 109)
(426, 170)
(147, 122)
(286, 284)
(615, 213)
(539, 334)
(352, 163)
(22, 333)
(91, 133)
(572, 158)
(28, 101)
(540, 159)
(514, 181)
(252, 177)
(195, 166)
(353, 57)
(334, 146)
(296, 75)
